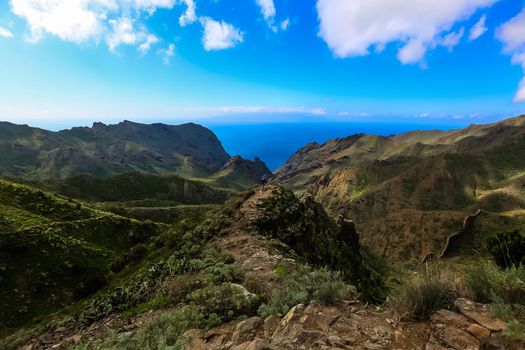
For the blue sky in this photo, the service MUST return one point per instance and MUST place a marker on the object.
(68, 62)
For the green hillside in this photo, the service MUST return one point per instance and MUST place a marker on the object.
(54, 251)
(137, 186)
(408, 193)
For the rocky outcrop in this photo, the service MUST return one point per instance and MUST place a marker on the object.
(251, 171)
(354, 326)
(305, 227)
(473, 327)
(456, 241)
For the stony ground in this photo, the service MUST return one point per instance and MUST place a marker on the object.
(355, 326)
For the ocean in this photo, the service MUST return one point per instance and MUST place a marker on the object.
(274, 143)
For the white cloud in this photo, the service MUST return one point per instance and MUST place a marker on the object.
(167, 54)
(268, 12)
(146, 45)
(116, 22)
(71, 20)
(190, 15)
(219, 35)
(478, 29)
(451, 40)
(123, 33)
(285, 24)
(354, 27)
(512, 34)
(4, 33)
(412, 52)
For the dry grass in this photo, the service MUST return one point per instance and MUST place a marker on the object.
(432, 289)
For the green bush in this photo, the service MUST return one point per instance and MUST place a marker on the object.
(226, 300)
(489, 283)
(516, 330)
(166, 329)
(302, 285)
(158, 302)
(427, 292)
(161, 333)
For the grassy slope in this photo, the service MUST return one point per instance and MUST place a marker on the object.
(136, 186)
(54, 251)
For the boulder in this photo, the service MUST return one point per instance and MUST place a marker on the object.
(480, 313)
(449, 318)
(260, 344)
(478, 331)
(460, 340)
(246, 329)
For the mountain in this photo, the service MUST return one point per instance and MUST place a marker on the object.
(409, 193)
(242, 172)
(188, 150)
(136, 260)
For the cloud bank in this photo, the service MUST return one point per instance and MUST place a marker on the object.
(354, 27)
(116, 22)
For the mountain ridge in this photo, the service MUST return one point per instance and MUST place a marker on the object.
(187, 150)
(408, 193)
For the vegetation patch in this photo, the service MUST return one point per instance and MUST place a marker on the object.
(302, 285)
(505, 289)
(428, 291)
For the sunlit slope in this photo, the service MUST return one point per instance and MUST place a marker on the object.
(408, 193)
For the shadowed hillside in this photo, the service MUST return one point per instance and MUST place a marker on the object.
(55, 251)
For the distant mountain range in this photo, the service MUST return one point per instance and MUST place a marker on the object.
(187, 150)
(407, 193)
(410, 192)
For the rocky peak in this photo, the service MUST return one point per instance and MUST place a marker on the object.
(253, 170)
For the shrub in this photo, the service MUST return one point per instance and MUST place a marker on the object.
(284, 297)
(302, 285)
(506, 290)
(136, 253)
(166, 329)
(426, 293)
(490, 284)
(161, 333)
(507, 248)
(516, 330)
(158, 302)
(480, 279)
(226, 300)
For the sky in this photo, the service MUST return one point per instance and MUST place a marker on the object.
(72, 62)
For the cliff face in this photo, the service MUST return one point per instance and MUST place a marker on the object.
(408, 193)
